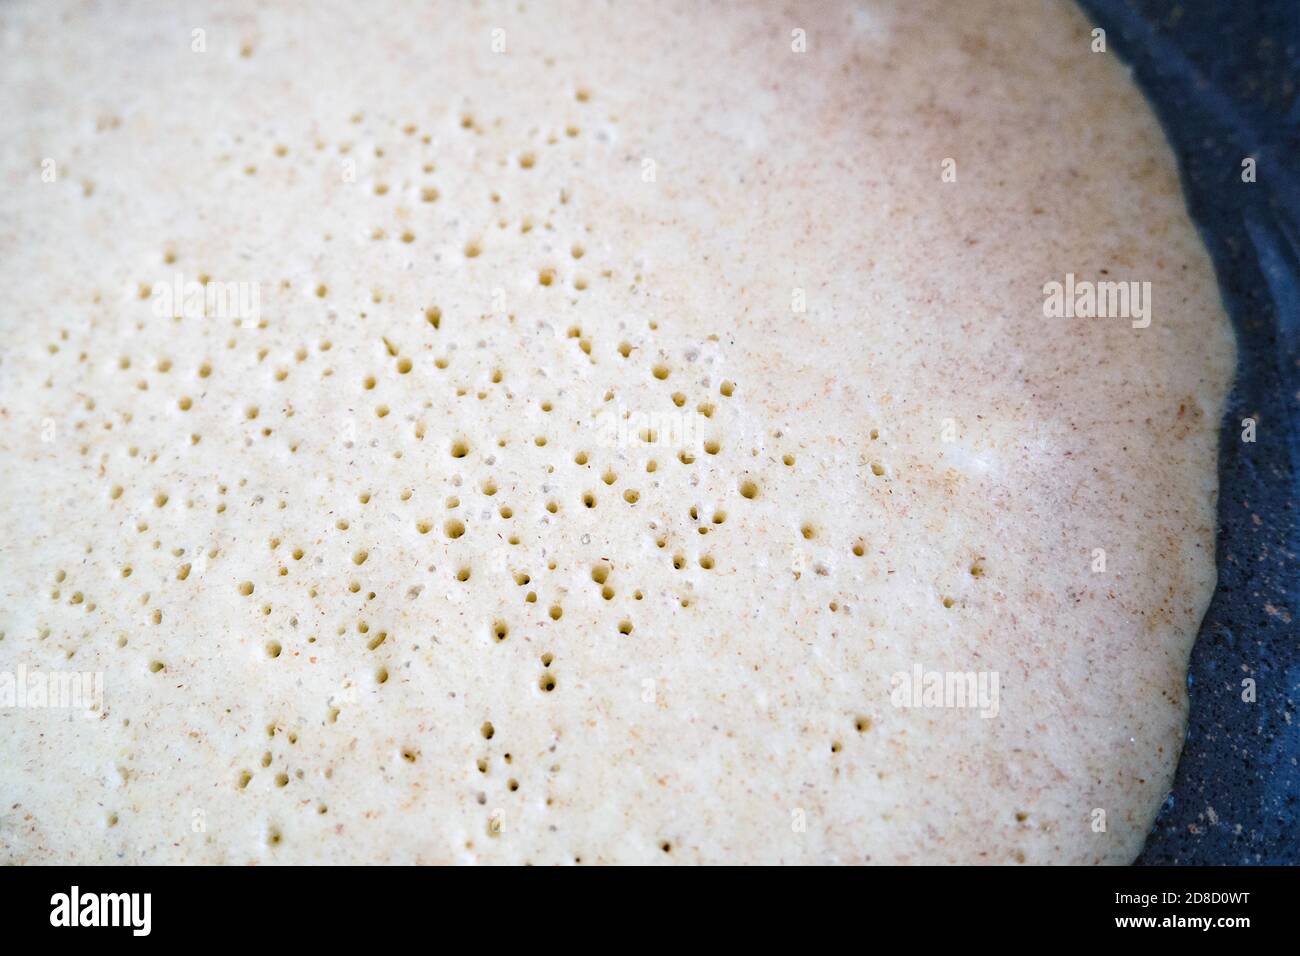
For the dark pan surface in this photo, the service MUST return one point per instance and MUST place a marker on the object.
(1223, 78)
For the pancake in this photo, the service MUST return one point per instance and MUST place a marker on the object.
(441, 433)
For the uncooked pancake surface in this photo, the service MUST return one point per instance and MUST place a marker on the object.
(555, 433)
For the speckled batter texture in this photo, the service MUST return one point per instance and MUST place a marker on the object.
(629, 398)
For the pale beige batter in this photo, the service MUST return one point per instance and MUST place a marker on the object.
(382, 567)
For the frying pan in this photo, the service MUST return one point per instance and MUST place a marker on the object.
(1223, 78)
